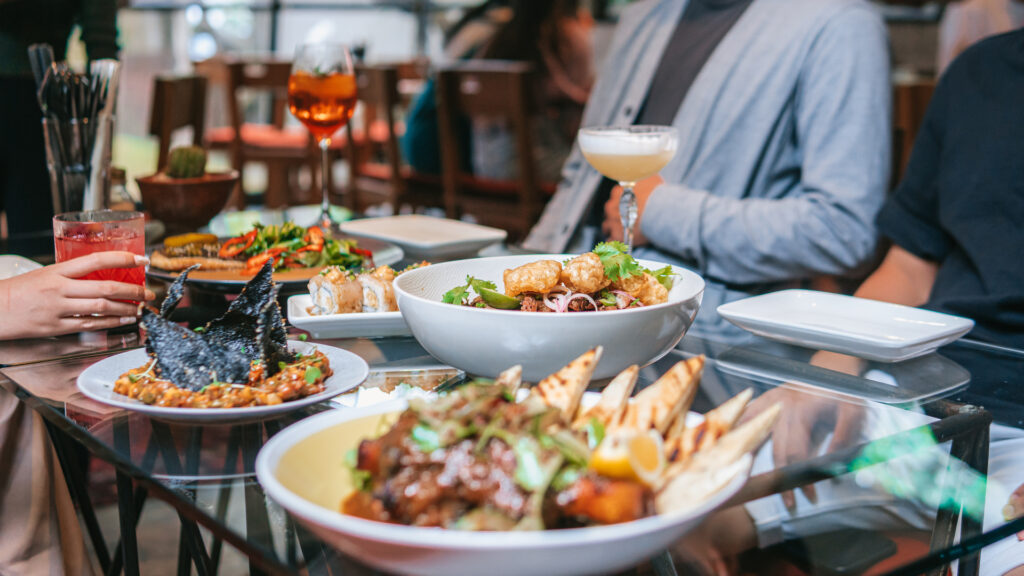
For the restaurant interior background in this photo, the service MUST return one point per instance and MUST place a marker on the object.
(168, 37)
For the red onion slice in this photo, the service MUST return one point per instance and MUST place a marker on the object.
(585, 297)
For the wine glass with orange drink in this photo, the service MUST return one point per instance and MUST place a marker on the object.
(322, 95)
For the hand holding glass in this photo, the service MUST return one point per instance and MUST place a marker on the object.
(322, 95)
(628, 154)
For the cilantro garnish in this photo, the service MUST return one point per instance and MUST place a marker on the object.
(618, 264)
(458, 295)
(663, 276)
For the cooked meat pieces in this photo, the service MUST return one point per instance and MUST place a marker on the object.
(645, 288)
(585, 273)
(536, 277)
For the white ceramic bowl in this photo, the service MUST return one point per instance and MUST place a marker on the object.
(302, 469)
(484, 342)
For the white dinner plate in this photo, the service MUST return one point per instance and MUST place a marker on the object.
(97, 382)
(355, 325)
(12, 265)
(856, 326)
(427, 237)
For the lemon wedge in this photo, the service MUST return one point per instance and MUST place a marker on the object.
(634, 457)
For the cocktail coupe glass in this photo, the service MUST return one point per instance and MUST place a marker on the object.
(628, 154)
(322, 95)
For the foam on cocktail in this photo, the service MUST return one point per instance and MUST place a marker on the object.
(625, 143)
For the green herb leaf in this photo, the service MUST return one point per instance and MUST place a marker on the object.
(618, 264)
(303, 337)
(426, 439)
(312, 373)
(606, 298)
(360, 478)
(663, 276)
(529, 474)
(281, 366)
(211, 384)
(199, 329)
(566, 478)
(595, 433)
(481, 284)
(134, 378)
(458, 295)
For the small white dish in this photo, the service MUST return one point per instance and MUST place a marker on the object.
(302, 469)
(97, 383)
(483, 342)
(427, 237)
(12, 265)
(859, 327)
(356, 325)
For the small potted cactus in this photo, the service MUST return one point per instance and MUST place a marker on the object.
(184, 196)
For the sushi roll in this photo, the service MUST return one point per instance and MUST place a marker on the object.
(335, 291)
(378, 293)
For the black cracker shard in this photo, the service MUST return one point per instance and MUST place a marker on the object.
(252, 330)
(175, 292)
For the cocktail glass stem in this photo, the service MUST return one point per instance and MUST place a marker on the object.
(325, 201)
(628, 213)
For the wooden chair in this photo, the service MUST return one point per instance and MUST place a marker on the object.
(178, 102)
(375, 161)
(910, 102)
(283, 150)
(491, 89)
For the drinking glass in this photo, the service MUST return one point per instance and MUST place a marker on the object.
(77, 234)
(322, 95)
(628, 154)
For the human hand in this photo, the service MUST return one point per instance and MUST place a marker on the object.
(1015, 508)
(807, 416)
(612, 226)
(51, 300)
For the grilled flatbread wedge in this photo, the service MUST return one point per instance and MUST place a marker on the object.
(656, 406)
(709, 470)
(177, 263)
(682, 442)
(564, 389)
(613, 402)
(511, 379)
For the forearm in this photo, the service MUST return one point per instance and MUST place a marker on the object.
(901, 279)
(757, 240)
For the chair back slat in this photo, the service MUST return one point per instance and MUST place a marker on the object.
(178, 102)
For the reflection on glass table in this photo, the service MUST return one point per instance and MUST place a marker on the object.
(922, 466)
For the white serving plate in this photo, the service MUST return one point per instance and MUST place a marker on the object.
(12, 265)
(97, 383)
(427, 237)
(438, 552)
(859, 327)
(360, 324)
(483, 342)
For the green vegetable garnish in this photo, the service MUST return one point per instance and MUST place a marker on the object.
(360, 478)
(303, 337)
(595, 433)
(606, 298)
(426, 438)
(312, 373)
(618, 264)
(133, 378)
(458, 295)
(529, 474)
(199, 329)
(203, 389)
(567, 477)
(663, 276)
(281, 366)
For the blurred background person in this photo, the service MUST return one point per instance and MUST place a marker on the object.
(24, 183)
(562, 58)
(964, 23)
(783, 111)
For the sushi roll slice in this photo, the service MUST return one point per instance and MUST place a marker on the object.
(378, 293)
(335, 291)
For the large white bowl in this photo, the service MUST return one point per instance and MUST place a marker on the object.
(302, 469)
(484, 342)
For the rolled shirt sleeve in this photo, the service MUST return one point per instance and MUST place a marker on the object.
(825, 225)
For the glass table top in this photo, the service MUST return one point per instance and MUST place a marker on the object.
(894, 450)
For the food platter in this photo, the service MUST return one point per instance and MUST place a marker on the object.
(428, 237)
(97, 383)
(309, 470)
(291, 281)
(364, 325)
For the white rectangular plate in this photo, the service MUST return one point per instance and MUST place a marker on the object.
(864, 328)
(357, 325)
(427, 237)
